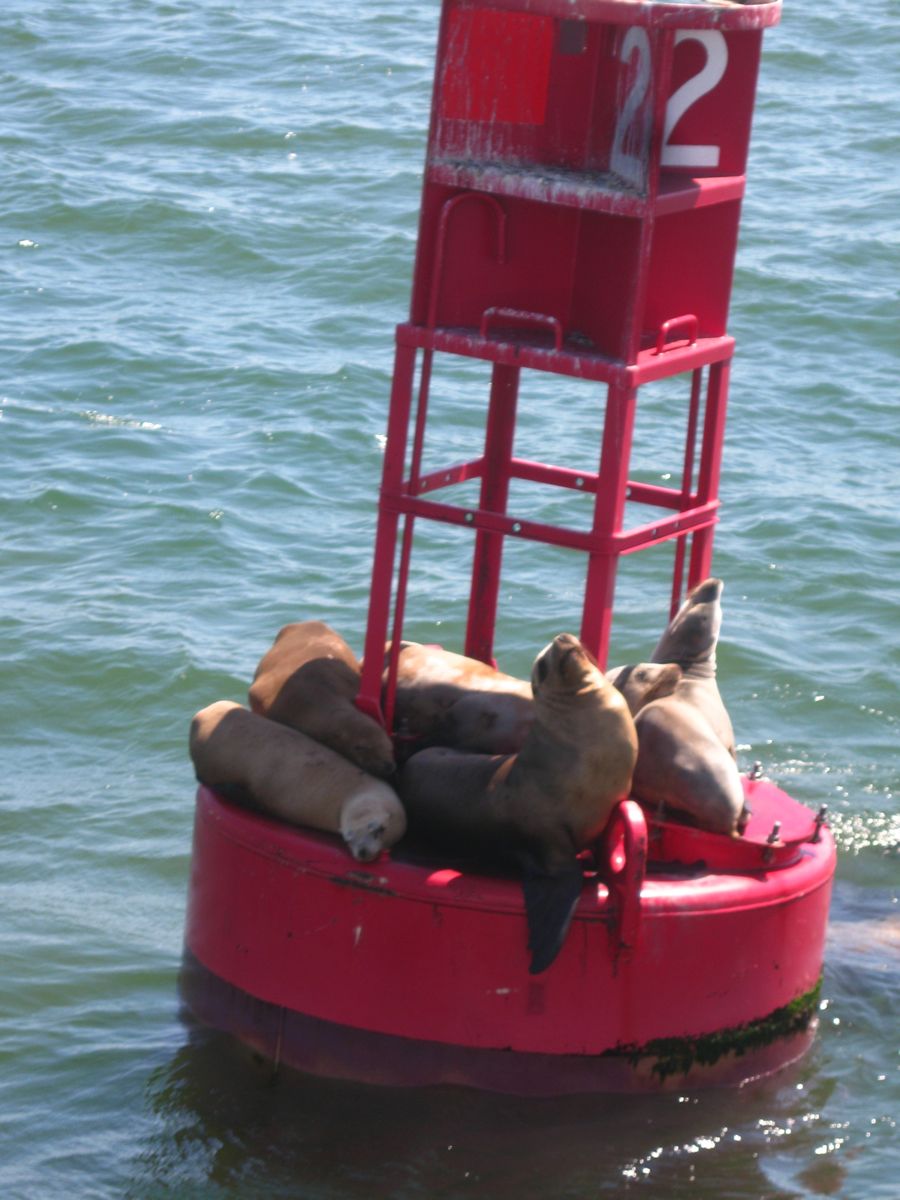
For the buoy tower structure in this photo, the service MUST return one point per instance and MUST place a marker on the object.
(581, 203)
(582, 192)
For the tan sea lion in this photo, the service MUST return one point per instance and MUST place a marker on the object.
(682, 764)
(309, 680)
(644, 682)
(286, 774)
(681, 760)
(544, 805)
(447, 699)
(690, 641)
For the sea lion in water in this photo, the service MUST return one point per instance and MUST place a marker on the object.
(285, 774)
(690, 640)
(309, 680)
(542, 806)
(447, 699)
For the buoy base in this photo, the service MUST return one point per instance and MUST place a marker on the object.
(323, 1048)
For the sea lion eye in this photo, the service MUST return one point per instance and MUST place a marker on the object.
(541, 668)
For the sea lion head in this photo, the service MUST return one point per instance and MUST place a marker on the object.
(565, 666)
(372, 820)
(641, 683)
(693, 632)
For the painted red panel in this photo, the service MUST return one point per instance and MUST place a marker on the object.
(497, 66)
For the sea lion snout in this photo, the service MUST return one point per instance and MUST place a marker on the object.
(367, 843)
(707, 592)
(372, 820)
(691, 636)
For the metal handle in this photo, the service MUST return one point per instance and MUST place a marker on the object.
(624, 863)
(519, 316)
(688, 322)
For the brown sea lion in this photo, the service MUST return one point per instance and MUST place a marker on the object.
(544, 805)
(309, 680)
(690, 641)
(447, 699)
(286, 774)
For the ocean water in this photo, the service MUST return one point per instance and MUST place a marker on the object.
(207, 223)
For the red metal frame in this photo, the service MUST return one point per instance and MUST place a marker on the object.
(566, 228)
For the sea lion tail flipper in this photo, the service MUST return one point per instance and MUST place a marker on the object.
(550, 902)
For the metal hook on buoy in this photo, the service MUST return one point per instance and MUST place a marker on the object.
(773, 836)
(755, 771)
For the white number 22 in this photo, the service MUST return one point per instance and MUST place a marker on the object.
(636, 41)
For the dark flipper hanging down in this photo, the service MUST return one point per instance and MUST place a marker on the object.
(550, 902)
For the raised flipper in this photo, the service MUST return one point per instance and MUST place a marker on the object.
(550, 902)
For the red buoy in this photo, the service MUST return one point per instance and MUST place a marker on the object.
(580, 212)
(691, 957)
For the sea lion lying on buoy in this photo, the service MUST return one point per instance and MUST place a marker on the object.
(447, 699)
(309, 680)
(682, 764)
(690, 640)
(686, 755)
(542, 806)
(285, 774)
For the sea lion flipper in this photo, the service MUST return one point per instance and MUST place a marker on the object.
(550, 902)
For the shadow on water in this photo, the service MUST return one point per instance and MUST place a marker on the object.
(226, 1125)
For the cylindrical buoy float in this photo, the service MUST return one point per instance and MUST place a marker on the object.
(692, 957)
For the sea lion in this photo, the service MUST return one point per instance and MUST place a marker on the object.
(644, 682)
(542, 806)
(447, 699)
(690, 640)
(309, 680)
(681, 763)
(686, 755)
(286, 774)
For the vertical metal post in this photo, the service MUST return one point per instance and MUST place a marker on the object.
(409, 521)
(609, 510)
(498, 448)
(687, 479)
(710, 466)
(369, 698)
